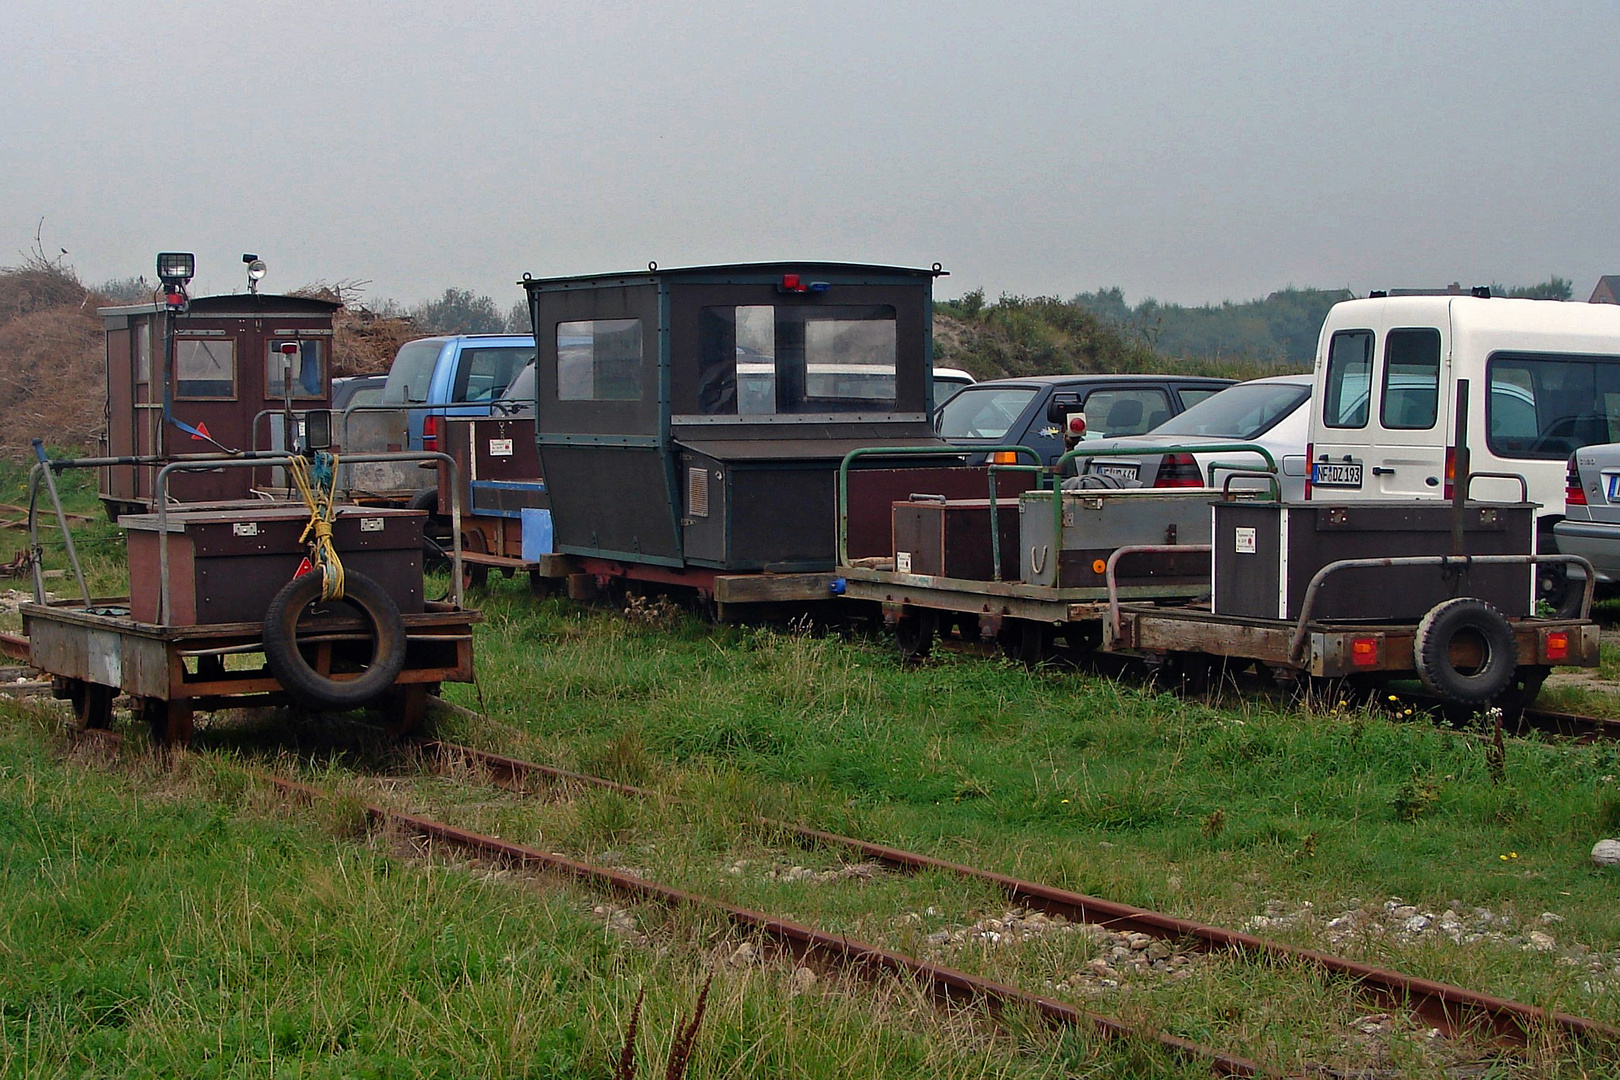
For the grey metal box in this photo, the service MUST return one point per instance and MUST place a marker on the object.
(1267, 553)
(1095, 523)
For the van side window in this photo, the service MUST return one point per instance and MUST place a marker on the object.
(1411, 379)
(1548, 406)
(1349, 379)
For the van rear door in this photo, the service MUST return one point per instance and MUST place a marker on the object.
(1411, 415)
(1382, 413)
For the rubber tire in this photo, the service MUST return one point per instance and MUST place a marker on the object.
(426, 499)
(1431, 650)
(308, 686)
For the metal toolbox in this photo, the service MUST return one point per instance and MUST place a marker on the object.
(951, 538)
(226, 566)
(1267, 553)
(1072, 552)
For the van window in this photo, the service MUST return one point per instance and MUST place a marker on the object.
(1549, 406)
(1411, 379)
(412, 374)
(1349, 379)
(598, 360)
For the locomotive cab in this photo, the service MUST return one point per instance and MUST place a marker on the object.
(695, 418)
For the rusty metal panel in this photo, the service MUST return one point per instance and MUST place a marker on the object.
(952, 538)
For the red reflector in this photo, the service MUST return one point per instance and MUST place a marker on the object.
(1450, 487)
(1364, 651)
(1077, 424)
(1557, 647)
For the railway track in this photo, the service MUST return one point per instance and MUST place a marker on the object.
(1453, 1011)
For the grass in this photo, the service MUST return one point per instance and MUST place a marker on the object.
(179, 919)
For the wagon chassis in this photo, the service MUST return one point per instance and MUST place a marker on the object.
(169, 672)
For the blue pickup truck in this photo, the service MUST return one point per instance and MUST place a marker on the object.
(460, 375)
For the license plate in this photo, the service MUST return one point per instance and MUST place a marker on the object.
(1614, 487)
(1336, 474)
(1119, 472)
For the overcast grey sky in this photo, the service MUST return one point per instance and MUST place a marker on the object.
(1191, 151)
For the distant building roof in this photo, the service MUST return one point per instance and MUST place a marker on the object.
(1607, 291)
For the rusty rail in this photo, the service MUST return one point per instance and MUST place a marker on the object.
(1451, 1009)
(948, 986)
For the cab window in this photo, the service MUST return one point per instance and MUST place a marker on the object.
(308, 369)
(1411, 397)
(205, 368)
(1349, 379)
(597, 360)
(764, 360)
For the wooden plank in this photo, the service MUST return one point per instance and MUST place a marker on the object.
(772, 588)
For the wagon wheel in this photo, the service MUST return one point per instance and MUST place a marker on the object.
(1030, 643)
(404, 708)
(914, 633)
(540, 585)
(473, 576)
(170, 722)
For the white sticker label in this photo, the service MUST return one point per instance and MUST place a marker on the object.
(500, 448)
(245, 528)
(1245, 540)
(902, 562)
(371, 524)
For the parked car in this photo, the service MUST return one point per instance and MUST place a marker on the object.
(1035, 411)
(1272, 412)
(357, 390)
(462, 375)
(1591, 525)
(948, 382)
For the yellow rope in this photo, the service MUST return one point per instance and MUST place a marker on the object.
(322, 503)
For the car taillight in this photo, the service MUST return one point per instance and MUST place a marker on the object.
(1450, 487)
(430, 433)
(1308, 468)
(1178, 471)
(1574, 494)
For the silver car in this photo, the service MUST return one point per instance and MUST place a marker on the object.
(1591, 525)
(1268, 412)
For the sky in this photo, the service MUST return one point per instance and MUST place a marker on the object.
(1192, 152)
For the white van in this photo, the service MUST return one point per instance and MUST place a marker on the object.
(1544, 379)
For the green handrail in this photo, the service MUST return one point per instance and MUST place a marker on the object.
(901, 451)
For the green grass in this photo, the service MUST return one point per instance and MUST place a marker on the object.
(179, 920)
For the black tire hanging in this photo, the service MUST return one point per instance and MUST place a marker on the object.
(294, 672)
(1475, 625)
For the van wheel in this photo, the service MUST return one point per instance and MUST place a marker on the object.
(1465, 651)
(1559, 591)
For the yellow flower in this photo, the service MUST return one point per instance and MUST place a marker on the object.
(1065, 800)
